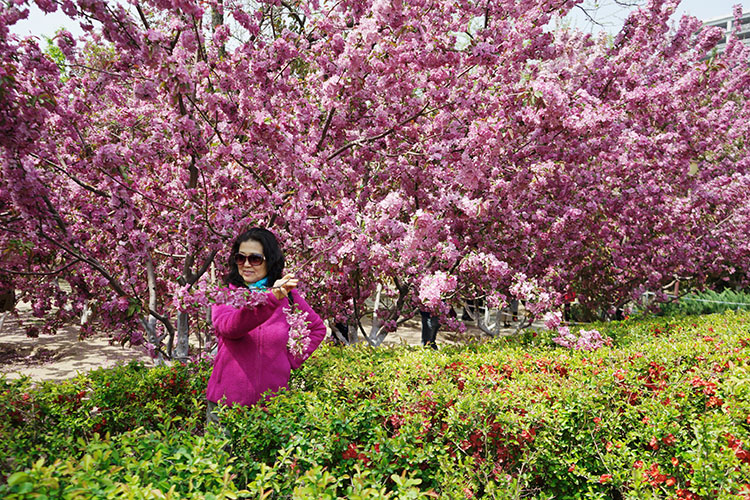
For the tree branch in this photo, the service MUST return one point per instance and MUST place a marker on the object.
(201, 49)
(63, 170)
(323, 134)
(205, 212)
(9, 230)
(142, 16)
(55, 214)
(153, 303)
(255, 174)
(206, 264)
(593, 21)
(151, 279)
(123, 27)
(50, 273)
(376, 137)
(116, 286)
(174, 41)
(205, 117)
(174, 256)
(132, 190)
(296, 17)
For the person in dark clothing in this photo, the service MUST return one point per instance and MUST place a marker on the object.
(430, 327)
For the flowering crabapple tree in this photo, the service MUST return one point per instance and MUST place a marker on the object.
(407, 154)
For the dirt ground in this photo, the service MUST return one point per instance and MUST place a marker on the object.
(63, 355)
(56, 357)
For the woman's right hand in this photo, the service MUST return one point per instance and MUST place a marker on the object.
(282, 287)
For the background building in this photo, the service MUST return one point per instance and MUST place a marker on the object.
(727, 24)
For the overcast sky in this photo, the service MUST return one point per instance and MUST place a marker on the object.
(609, 15)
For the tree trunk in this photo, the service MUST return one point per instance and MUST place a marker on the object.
(150, 325)
(152, 337)
(183, 336)
(7, 300)
(486, 322)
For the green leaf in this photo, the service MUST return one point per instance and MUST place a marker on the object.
(17, 478)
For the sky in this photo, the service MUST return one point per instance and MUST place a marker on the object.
(609, 15)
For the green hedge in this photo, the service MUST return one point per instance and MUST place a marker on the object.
(664, 413)
(45, 420)
(708, 302)
(168, 463)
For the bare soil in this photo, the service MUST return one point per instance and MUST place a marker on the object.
(55, 357)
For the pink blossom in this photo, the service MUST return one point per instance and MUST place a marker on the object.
(552, 319)
(434, 286)
(586, 340)
(299, 331)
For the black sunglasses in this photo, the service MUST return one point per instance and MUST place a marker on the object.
(254, 259)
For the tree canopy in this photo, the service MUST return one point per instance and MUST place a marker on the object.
(435, 149)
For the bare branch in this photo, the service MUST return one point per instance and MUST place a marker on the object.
(142, 16)
(99, 267)
(174, 256)
(50, 273)
(379, 136)
(586, 12)
(206, 264)
(273, 25)
(296, 17)
(331, 112)
(64, 170)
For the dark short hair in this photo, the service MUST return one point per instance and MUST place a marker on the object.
(271, 251)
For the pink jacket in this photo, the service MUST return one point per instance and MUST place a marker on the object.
(253, 357)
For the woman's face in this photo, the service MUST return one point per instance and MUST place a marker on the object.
(249, 273)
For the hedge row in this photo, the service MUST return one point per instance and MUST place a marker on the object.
(708, 302)
(663, 413)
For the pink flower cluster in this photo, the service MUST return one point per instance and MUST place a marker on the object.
(434, 286)
(299, 331)
(586, 340)
(552, 320)
(200, 297)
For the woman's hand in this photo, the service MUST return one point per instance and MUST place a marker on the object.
(282, 287)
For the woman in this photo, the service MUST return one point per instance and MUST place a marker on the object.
(252, 355)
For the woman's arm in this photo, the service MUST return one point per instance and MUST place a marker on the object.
(232, 323)
(317, 331)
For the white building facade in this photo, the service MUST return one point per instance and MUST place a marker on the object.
(728, 24)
